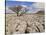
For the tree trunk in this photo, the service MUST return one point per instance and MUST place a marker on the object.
(17, 13)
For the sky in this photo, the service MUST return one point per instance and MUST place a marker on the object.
(14, 3)
(33, 6)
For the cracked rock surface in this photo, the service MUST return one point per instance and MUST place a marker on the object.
(24, 24)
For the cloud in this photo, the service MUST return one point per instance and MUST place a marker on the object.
(38, 5)
(24, 5)
(35, 7)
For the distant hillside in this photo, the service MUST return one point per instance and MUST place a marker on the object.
(25, 8)
(9, 11)
(41, 12)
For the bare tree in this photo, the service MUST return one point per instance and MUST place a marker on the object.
(16, 9)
